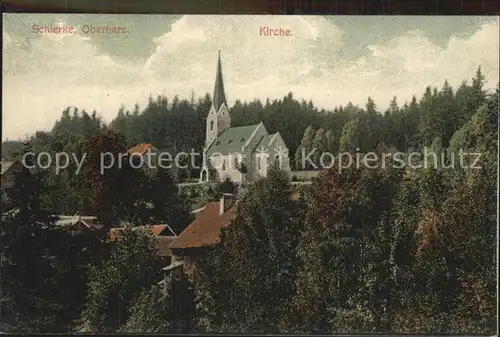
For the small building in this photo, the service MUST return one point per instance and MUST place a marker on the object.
(9, 171)
(145, 156)
(77, 224)
(164, 236)
(202, 232)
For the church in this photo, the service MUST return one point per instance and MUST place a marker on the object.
(240, 153)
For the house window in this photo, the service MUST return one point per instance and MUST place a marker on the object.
(8, 180)
(211, 125)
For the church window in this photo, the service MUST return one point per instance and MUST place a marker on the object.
(211, 125)
(258, 163)
(223, 164)
(235, 161)
(277, 162)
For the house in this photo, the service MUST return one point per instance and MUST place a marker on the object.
(242, 153)
(202, 232)
(164, 237)
(9, 171)
(74, 224)
(144, 155)
(77, 224)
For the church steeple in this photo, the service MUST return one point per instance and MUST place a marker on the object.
(219, 95)
(218, 118)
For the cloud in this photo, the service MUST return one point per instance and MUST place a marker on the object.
(43, 74)
(247, 55)
(413, 58)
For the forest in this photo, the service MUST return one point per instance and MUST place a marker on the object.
(371, 250)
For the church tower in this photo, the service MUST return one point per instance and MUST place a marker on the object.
(218, 117)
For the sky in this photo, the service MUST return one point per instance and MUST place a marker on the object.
(330, 60)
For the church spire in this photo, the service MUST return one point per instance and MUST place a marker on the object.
(219, 96)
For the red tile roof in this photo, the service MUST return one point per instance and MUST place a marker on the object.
(157, 229)
(141, 148)
(205, 229)
(295, 196)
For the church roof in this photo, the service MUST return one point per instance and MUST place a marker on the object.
(232, 140)
(219, 95)
(266, 140)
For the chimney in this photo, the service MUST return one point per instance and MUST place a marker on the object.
(226, 202)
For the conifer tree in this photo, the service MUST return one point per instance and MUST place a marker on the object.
(132, 266)
(247, 279)
(306, 145)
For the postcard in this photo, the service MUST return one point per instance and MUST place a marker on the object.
(249, 174)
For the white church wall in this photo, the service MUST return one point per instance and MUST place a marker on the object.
(227, 166)
(262, 162)
(250, 147)
(279, 150)
(224, 119)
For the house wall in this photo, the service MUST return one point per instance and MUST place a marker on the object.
(188, 256)
(184, 257)
(174, 274)
(166, 260)
(8, 180)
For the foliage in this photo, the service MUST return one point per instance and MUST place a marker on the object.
(132, 266)
(148, 312)
(168, 204)
(170, 310)
(362, 250)
(246, 279)
(42, 266)
(111, 184)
